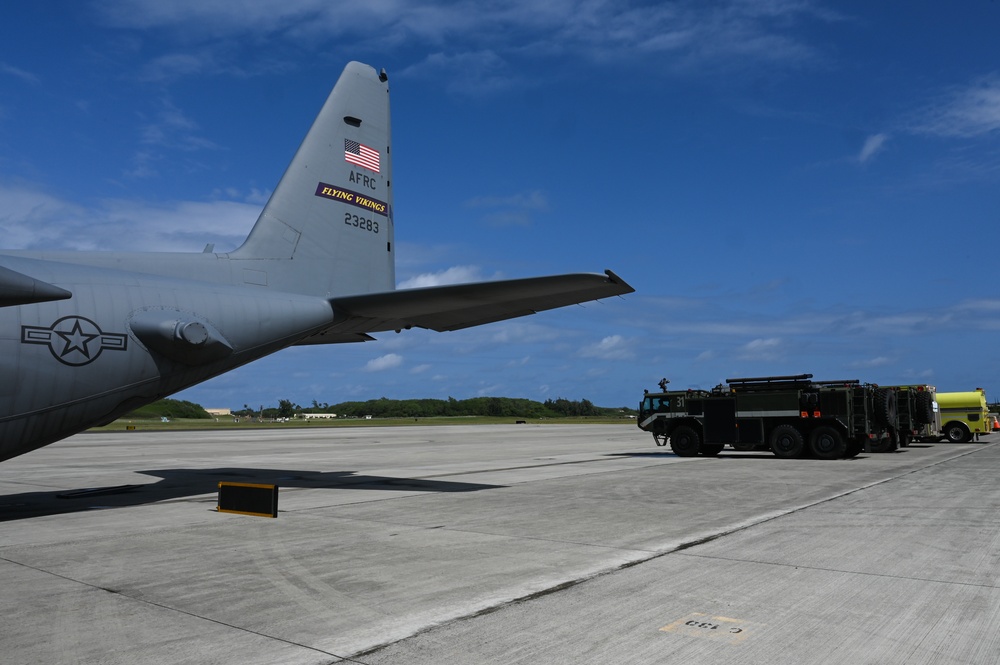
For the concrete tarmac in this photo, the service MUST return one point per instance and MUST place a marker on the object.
(495, 544)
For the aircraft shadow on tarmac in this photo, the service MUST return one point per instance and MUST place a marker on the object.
(182, 483)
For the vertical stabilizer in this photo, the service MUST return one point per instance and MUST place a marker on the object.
(327, 229)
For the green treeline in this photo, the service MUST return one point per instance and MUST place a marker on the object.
(451, 407)
(170, 408)
(476, 406)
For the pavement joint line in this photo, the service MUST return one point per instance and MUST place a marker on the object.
(838, 570)
(828, 500)
(795, 509)
(527, 466)
(168, 608)
(677, 549)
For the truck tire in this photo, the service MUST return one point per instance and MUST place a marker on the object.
(786, 441)
(827, 443)
(685, 442)
(854, 448)
(884, 407)
(711, 449)
(957, 433)
(887, 444)
(924, 411)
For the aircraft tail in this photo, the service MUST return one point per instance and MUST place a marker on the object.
(327, 229)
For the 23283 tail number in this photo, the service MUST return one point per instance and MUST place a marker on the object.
(361, 222)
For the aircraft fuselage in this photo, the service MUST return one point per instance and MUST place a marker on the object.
(126, 338)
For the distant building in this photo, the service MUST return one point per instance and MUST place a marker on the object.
(319, 416)
(219, 412)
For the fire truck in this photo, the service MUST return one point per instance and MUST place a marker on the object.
(964, 415)
(788, 415)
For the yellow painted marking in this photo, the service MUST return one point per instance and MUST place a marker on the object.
(229, 484)
(720, 629)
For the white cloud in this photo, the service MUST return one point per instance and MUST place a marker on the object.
(533, 200)
(966, 112)
(484, 40)
(27, 217)
(873, 145)
(388, 361)
(453, 275)
(470, 73)
(19, 73)
(170, 129)
(420, 369)
(176, 65)
(613, 347)
(761, 349)
(918, 374)
(879, 361)
(519, 332)
(513, 210)
(30, 218)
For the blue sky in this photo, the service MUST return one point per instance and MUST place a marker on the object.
(790, 185)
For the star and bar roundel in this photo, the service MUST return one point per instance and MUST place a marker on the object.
(74, 340)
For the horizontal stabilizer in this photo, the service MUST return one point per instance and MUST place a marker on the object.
(19, 289)
(460, 306)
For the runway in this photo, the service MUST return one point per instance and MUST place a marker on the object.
(495, 544)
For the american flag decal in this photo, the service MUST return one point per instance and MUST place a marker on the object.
(362, 155)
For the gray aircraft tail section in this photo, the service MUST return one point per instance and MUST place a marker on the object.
(327, 229)
(86, 337)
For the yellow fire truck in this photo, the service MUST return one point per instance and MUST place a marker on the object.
(964, 415)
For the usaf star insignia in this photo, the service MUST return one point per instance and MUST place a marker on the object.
(74, 340)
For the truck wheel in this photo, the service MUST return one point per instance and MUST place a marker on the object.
(711, 449)
(827, 443)
(684, 441)
(854, 448)
(786, 442)
(884, 406)
(957, 433)
(887, 444)
(924, 413)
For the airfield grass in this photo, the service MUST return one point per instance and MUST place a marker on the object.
(228, 423)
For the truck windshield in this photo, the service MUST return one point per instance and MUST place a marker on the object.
(655, 404)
